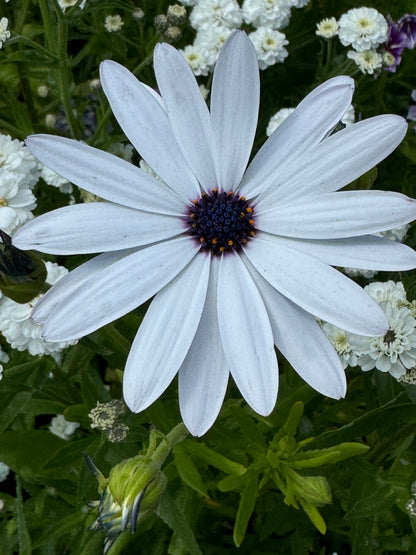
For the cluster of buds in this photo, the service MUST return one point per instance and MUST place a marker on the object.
(169, 25)
(105, 417)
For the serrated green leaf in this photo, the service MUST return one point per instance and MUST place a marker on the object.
(245, 508)
(188, 471)
(171, 514)
(378, 501)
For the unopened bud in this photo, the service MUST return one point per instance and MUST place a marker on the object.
(161, 23)
(176, 15)
(173, 34)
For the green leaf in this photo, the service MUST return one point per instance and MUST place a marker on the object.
(245, 508)
(231, 483)
(314, 516)
(92, 388)
(291, 425)
(213, 458)
(69, 454)
(377, 502)
(188, 471)
(170, 513)
(22, 531)
(59, 528)
(311, 459)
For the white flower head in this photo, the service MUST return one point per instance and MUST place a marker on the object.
(274, 14)
(387, 291)
(278, 118)
(197, 59)
(270, 46)
(18, 174)
(4, 471)
(62, 428)
(368, 60)
(55, 180)
(349, 117)
(220, 13)
(4, 32)
(220, 245)
(347, 345)
(64, 4)
(327, 28)
(113, 23)
(17, 326)
(395, 352)
(362, 28)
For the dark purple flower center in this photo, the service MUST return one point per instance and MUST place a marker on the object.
(220, 222)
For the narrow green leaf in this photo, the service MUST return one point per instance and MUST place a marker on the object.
(170, 513)
(314, 516)
(311, 459)
(378, 501)
(188, 471)
(231, 483)
(22, 531)
(245, 508)
(213, 458)
(292, 422)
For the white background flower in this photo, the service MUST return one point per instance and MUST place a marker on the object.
(215, 314)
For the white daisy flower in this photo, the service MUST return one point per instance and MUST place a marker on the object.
(270, 46)
(18, 327)
(4, 32)
(395, 352)
(327, 28)
(61, 427)
(368, 60)
(274, 14)
(221, 13)
(239, 260)
(278, 118)
(362, 28)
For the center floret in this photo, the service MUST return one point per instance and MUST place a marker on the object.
(221, 222)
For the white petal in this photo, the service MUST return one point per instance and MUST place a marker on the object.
(119, 288)
(246, 335)
(339, 159)
(203, 376)
(187, 111)
(104, 174)
(234, 107)
(316, 287)
(63, 290)
(165, 335)
(144, 121)
(313, 118)
(300, 339)
(336, 215)
(367, 252)
(95, 227)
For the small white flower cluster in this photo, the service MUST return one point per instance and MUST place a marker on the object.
(60, 427)
(19, 173)
(215, 19)
(105, 417)
(64, 4)
(23, 333)
(4, 32)
(113, 23)
(364, 29)
(396, 351)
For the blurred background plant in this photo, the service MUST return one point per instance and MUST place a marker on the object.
(316, 476)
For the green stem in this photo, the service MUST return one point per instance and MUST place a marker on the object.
(47, 23)
(174, 437)
(14, 131)
(147, 61)
(21, 16)
(16, 38)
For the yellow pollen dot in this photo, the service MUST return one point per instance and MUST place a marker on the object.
(249, 210)
(214, 241)
(192, 215)
(215, 190)
(195, 201)
(193, 225)
(3, 202)
(251, 222)
(242, 215)
(252, 233)
(229, 243)
(244, 241)
(242, 198)
(222, 249)
(201, 240)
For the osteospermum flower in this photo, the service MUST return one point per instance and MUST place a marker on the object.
(239, 259)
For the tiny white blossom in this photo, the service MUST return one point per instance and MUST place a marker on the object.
(20, 330)
(362, 28)
(4, 33)
(327, 28)
(62, 428)
(298, 3)
(349, 117)
(122, 151)
(64, 4)
(209, 41)
(197, 59)
(138, 14)
(18, 174)
(368, 60)
(4, 471)
(50, 120)
(43, 91)
(221, 13)
(395, 352)
(55, 180)
(396, 234)
(95, 84)
(346, 344)
(409, 377)
(274, 14)
(278, 118)
(113, 23)
(270, 46)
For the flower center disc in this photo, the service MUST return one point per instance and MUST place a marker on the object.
(221, 222)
